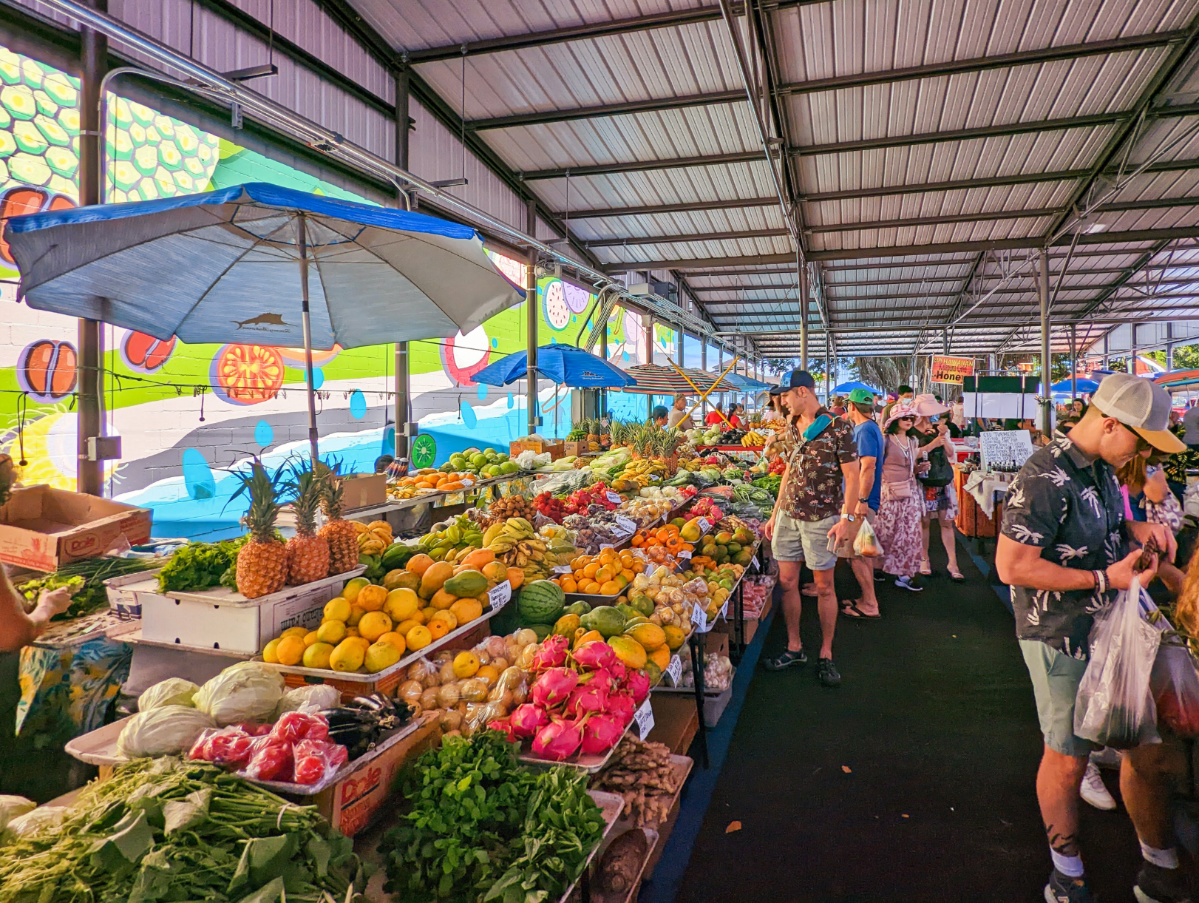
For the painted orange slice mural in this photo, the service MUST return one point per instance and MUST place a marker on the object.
(247, 374)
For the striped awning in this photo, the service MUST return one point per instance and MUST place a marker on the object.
(655, 380)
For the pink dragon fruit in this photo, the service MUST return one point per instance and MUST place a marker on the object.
(528, 719)
(552, 654)
(619, 671)
(558, 740)
(638, 685)
(621, 707)
(505, 727)
(553, 687)
(590, 697)
(594, 655)
(601, 732)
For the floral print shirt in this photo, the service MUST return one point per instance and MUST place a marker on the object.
(814, 489)
(1071, 508)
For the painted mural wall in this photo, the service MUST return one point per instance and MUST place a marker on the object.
(187, 413)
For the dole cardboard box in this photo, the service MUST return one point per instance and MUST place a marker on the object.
(43, 528)
(363, 490)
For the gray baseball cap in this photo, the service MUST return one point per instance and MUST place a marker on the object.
(1141, 405)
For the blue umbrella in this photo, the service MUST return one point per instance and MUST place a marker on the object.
(562, 364)
(260, 264)
(1085, 386)
(846, 388)
(743, 383)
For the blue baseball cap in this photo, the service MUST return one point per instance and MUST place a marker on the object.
(794, 379)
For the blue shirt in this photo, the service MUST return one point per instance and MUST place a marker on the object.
(869, 439)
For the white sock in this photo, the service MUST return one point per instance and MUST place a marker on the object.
(1070, 866)
(1167, 859)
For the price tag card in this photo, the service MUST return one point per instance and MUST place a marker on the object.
(704, 525)
(724, 609)
(699, 617)
(500, 595)
(684, 554)
(644, 719)
(606, 545)
(563, 569)
(614, 498)
(675, 670)
(628, 526)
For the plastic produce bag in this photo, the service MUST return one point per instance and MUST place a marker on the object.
(1175, 687)
(1114, 706)
(866, 543)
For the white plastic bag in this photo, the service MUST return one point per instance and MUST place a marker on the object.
(1114, 706)
(866, 543)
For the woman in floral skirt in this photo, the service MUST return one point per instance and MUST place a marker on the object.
(901, 505)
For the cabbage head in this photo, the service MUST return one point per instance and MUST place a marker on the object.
(165, 731)
(172, 691)
(246, 691)
(309, 698)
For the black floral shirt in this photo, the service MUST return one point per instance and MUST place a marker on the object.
(1071, 509)
(814, 489)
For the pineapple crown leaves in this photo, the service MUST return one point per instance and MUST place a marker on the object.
(264, 490)
(331, 490)
(307, 488)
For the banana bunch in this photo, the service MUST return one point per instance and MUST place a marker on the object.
(503, 537)
(453, 540)
(374, 537)
(753, 439)
(638, 474)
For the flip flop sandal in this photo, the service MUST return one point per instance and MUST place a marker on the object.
(926, 569)
(956, 577)
(854, 613)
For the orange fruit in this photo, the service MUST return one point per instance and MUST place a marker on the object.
(438, 627)
(611, 588)
(603, 575)
(418, 637)
(569, 585)
(372, 597)
(393, 638)
(590, 569)
(628, 574)
(591, 587)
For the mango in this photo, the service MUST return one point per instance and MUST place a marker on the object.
(467, 610)
(442, 600)
(380, 656)
(348, 656)
(434, 578)
(418, 564)
(477, 559)
(496, 572)
(566, 626)
(629, 651)
(650, 636)
(317, 655)
(674, 637)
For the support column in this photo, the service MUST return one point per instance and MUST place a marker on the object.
(1132, 349)
(1170, 345)
(531, 321)
(403, 400)
(602, 394)
(802, 273)
(90, 391)
(703, 364)
(649, 359)
(828, 371)
(1046, 360)
(1073, 361)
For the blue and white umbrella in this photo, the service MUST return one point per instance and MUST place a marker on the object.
(260, 264)
(565, 365)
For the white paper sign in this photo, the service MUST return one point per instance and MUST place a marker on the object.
(563, 569)
(1004, 448)
(675, 670)
(684, 554)
(644, 718)
(699, 617)
(628, 526)
(704, 525)
(500, 595)
(724, 609)
(614, 498)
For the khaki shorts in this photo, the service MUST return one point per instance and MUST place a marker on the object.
(845, 547)
(1055, 679)
(803, 540)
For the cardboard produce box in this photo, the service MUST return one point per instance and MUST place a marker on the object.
(363, 490)
(43, 528)
(556, 449)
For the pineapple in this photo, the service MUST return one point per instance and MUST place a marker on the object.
(262, 561)
(593, 439)
(341, 535)
(307, 553)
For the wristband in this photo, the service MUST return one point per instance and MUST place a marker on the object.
(1100, 581)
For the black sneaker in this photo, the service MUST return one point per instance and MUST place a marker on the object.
(785, 659)
(881, 576)
(1158, 885)
(1064, 889)
(827, 673)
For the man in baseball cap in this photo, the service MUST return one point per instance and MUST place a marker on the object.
(1066, 550)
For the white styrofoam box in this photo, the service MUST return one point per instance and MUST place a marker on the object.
(222, 619)
(125, 593)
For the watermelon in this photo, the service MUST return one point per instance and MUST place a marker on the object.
(540, 602)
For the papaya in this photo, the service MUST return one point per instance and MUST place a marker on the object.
(653, 672)
(496, 572)
(660, 657)
(628, 611)
(434, 578)
(566, 626)
(477, 558)
(467, 610)
(651, 636)
(579, 608)
(418, 564)
(607, 620)
(587, 636)
(642, 603)
(674, 636)
(443, 599)
(516, 577)
(466, 583)
(629, 651)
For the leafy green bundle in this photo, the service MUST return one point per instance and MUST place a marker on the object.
(201, 565)
(481, 827)
(85, 579)
(162, 830)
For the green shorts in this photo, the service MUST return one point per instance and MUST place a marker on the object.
(1055, 680)
(804, 540)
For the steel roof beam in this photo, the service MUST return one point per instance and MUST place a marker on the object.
(934, 220)
(655, 209)
(687, 237)
(649, 105)
(708, 289)
(985, 63)
(607, 169)
(952, 185)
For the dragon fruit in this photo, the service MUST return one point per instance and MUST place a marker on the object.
(558, 740)
(621, 707)
(528, 719)
(552, 654)
(590, 697)
(601, 732)
(503, 725)
(619, 672)
(594, 655)
(554, 686)
(638, 685)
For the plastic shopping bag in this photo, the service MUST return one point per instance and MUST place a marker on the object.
(1114, 706)
(1174, 681)
(866, 543)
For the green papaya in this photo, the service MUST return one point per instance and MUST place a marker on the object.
(605, 619)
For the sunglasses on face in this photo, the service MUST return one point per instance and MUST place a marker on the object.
(1142, 444)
